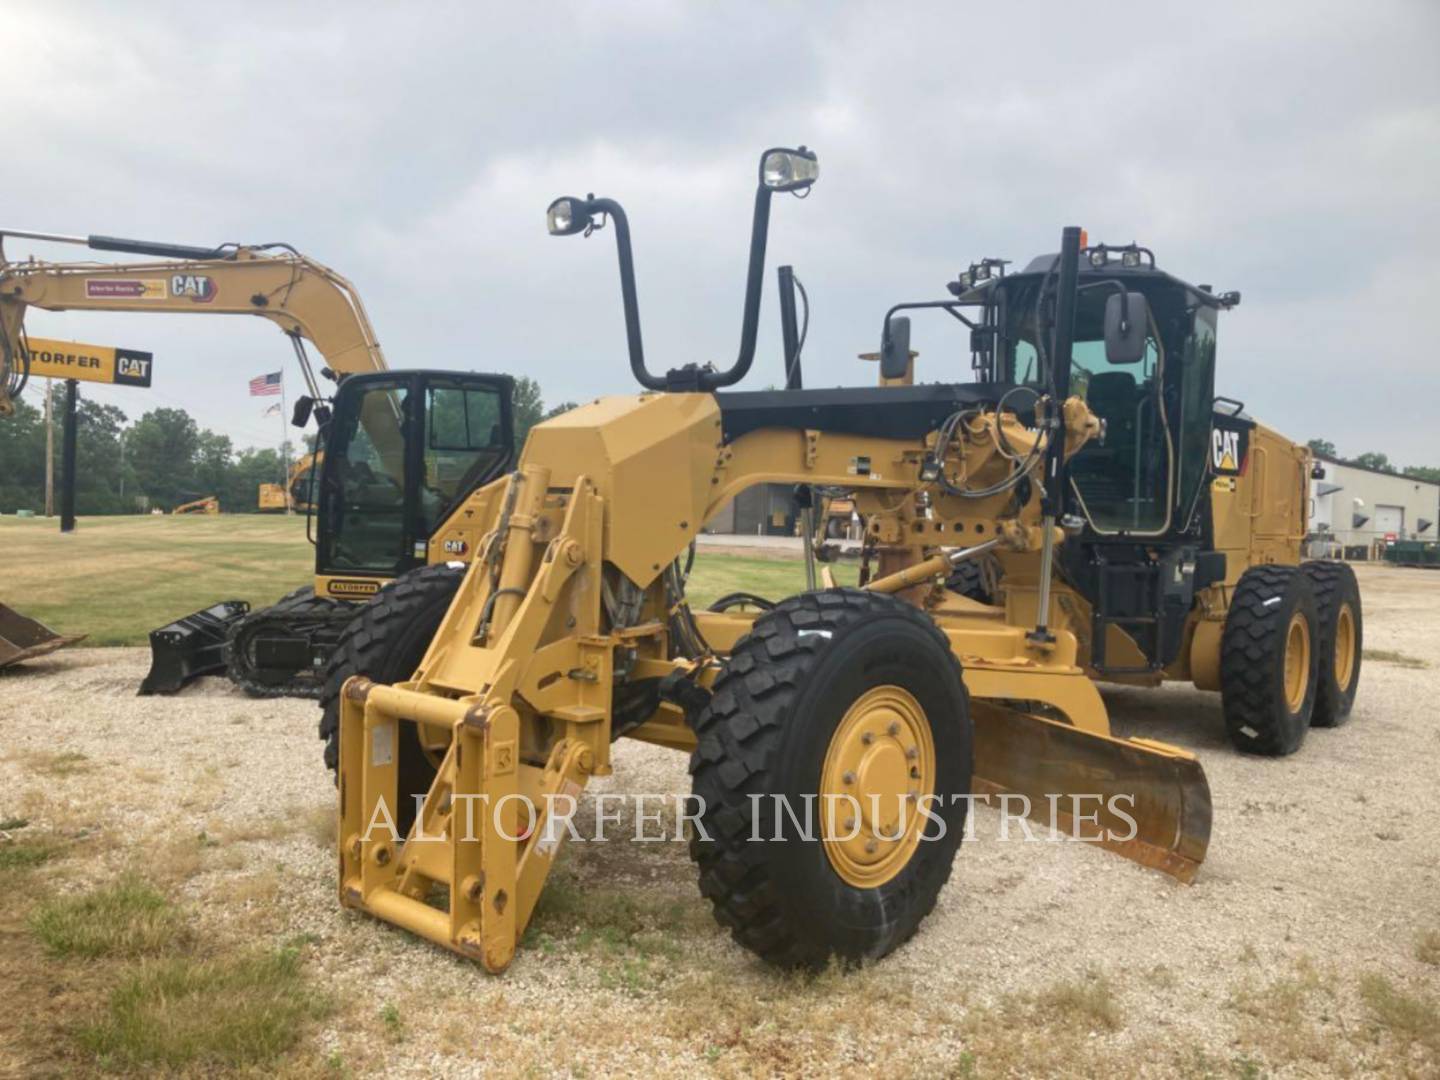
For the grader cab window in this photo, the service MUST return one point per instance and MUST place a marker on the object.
(1122, 483)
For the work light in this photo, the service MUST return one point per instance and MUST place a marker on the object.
(567, 216)
(789, 170)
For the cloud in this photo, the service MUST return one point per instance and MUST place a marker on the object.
(1291, 150)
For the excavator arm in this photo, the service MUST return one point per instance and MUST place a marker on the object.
(308, 301)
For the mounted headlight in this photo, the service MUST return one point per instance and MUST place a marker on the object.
(1099, 257)
(789, 170)
(1130, 259)
(567, 216)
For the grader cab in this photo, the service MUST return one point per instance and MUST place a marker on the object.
(837, 737)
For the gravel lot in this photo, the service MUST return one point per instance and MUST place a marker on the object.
(1323, 873)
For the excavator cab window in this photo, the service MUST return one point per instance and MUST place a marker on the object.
(401, 452)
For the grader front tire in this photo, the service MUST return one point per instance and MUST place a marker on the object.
(385, 641)
(1269, 661)
(839, 688)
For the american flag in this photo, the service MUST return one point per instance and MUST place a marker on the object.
(265, 385)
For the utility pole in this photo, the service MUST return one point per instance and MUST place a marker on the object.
(49, 449)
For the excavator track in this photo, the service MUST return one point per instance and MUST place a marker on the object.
(281, 650)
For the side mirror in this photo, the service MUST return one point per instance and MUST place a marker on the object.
(1127, 326)
(982, 340)
(300, 415)
(895, 349)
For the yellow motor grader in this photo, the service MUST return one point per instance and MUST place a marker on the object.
(1144, 529)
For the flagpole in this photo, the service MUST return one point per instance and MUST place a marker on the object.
(284, 464)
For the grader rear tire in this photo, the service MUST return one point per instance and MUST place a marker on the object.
(1337, 607)
(1269, 661)
(837, 689)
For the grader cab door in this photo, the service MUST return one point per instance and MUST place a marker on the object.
(1123, 483)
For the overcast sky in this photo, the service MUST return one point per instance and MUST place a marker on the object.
(1289, 150)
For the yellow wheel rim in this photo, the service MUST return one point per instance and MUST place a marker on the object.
(1344, 646)
(880, 765)
(1297, 662)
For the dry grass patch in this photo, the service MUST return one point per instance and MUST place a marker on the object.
(60, 765)
(1285, 1019)
(1411, 1019)
(1390, 656)
(218, 1013)
(1427, 948)
(1088, 1003)
(128, 918)
(320, 824)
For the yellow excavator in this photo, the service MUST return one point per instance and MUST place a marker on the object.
(1144, 527)
(295, 494)
(206, 504)
(413, 438)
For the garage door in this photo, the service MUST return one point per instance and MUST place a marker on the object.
(1389, 519)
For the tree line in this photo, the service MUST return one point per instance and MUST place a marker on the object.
(162, 459)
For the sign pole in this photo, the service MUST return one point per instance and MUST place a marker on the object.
(67, 473)
(49, 448)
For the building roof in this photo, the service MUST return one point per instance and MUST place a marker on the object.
(1378, 472)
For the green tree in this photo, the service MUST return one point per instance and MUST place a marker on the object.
(1423, 472)
(162, 447)
(527, 407)
(559, 410)
(1324, 447)
(98, 458)
(22, 460)
(1372, 460)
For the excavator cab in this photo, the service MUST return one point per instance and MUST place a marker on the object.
(399, 453)
(401, 450)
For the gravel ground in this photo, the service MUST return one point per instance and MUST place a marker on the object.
(1040, 957)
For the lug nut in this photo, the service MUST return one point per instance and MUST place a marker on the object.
(849, 824)
(912, 753)
(871, 847)
(867, 738)
(849, 777)
(893, 729)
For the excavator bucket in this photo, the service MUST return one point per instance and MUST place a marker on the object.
(1141, 799)
(25, 639)
(190, 647)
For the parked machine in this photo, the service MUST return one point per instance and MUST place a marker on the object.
(206, 504)
(414, 440)
(1145, 529)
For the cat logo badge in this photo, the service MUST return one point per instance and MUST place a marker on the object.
(198, 287)
(1226, 455)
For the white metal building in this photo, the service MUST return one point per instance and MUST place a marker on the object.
(1362, 509)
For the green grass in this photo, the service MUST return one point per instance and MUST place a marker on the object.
(127, 918)
(715, 575)
(221, 1013)
(117, 578)
(25, 855)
